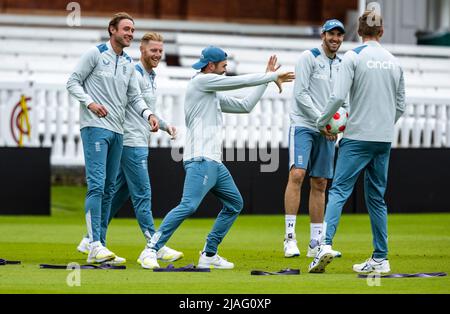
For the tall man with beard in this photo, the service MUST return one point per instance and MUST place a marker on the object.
(309, 150)
(105, 83)
(133, 179)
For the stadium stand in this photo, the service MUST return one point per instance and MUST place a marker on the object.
(39, 54)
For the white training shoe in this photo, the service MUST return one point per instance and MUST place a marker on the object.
(214, 262)
(116, 261)
(290, 248)
(166, 254)
(336, 253)
(321, 260)
(314, 246)
(148, 259)
(99, 254)
(83, 247)
(374, 266)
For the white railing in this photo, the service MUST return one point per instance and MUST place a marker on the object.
(54, 119)
(425, 124)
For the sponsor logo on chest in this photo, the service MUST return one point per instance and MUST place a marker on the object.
(321, 72)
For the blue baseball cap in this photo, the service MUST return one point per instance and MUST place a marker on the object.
(210, 54)
(332, 24)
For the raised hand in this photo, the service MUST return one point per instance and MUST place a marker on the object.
(284, 77)
(272, 65)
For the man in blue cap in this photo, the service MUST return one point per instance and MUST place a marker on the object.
(309, 150)
(203, 148)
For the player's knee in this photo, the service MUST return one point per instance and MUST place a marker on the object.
(297, 176)
(319, 185)
(235, 206)
(189, 208)
(109, 193)
(95, 190)
(375, 200)
(141, 196)
(239, 204)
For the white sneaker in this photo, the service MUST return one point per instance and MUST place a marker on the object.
(321, 260)
(314, 246)
(290, 248)
(371, 265)
(148, 259)
(83, 247)
(214, 262)
(116, 261)
(166, 254)
(100, 254)
(336, 253)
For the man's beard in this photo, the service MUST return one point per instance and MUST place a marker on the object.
(122, 42)
(330, 47)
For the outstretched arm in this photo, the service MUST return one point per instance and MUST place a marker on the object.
(220, 83)
(246, 105)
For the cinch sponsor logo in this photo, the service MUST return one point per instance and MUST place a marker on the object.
(381, 65)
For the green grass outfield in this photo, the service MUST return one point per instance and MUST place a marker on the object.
(418, 243)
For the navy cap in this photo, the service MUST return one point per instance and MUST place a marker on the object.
(210, 54)
(332, 24)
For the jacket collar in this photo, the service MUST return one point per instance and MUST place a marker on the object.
(110, 48)
(152, 74)
(322, 52)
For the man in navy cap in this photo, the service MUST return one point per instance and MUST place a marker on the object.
(203, 148)
(309, 150)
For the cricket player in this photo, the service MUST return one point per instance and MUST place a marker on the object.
(374, 79)
(205, 171)
(133, 179)
(106, 85)
(309, 150)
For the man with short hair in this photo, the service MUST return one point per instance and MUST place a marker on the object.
(377, 96)
(106, 85)
(309, 150)
(133, 178)
(203, 148)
